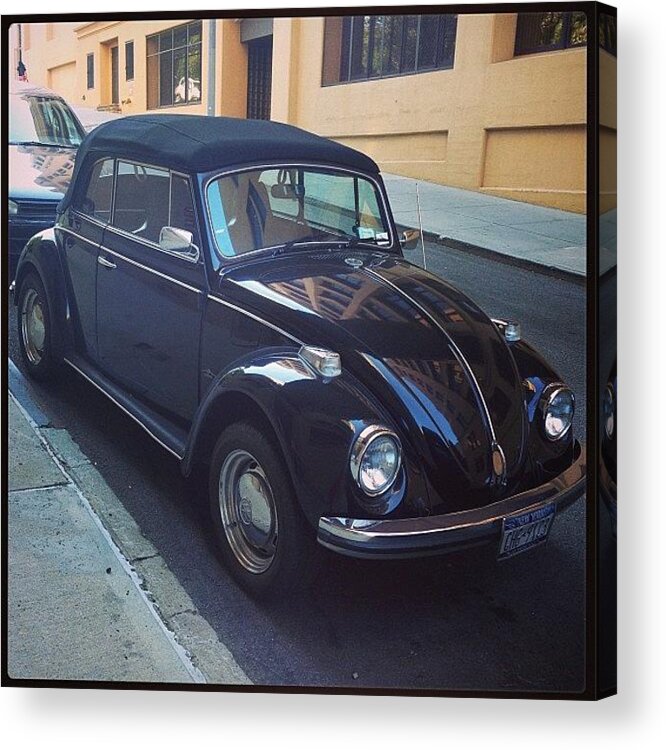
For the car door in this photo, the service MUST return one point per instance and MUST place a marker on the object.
(82, 231)
(149, 300)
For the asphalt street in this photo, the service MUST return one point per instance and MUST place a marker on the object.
(463, 621)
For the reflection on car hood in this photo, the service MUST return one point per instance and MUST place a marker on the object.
(431, 356)
(40, 172)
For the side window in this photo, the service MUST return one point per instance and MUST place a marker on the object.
(182, 208)
(97, 200)
(142, 200)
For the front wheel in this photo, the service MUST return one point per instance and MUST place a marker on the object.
(263, 537)
(34, 328)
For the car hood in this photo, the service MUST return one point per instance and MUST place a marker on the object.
(39, 172)
(433, 359)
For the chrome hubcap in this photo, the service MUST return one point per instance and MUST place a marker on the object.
(248, 511)
(33, 329)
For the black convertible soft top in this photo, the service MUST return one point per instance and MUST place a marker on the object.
(196, 143)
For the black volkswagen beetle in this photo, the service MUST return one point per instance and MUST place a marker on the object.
(238, 288)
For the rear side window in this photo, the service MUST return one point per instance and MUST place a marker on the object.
(97, 200)
(142, 200)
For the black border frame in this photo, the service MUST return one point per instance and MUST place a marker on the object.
(593, 9)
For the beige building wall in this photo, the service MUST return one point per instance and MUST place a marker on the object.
(509, 126)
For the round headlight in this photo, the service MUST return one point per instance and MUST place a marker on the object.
(375, 460)
(609, 412)
(13, 207)
(557, 409)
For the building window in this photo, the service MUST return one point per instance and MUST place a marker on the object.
(544, 32)
(361, 47)
(174, 66)
(129, 61)
(90, 70)
(607, 34)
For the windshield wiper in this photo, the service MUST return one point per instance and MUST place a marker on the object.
(307, 240)
(41, 143)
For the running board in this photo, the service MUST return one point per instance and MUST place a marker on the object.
(160, 429)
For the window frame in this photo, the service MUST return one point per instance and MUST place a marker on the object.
(82, 192)
(443, 18)
(158, 55)
(224, 259)
(540, 49)
(142, 240)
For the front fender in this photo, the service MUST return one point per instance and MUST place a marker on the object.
(536, 374)
(314, 420)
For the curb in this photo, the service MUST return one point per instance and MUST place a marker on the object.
(206, 659)
(499, 257)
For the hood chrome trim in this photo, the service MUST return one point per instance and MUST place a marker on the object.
(462, 361)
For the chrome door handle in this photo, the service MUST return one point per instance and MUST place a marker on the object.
(104, 262)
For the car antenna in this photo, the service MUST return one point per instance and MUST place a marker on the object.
(418, 211)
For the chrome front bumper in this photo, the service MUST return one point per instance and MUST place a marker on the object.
(414, 537)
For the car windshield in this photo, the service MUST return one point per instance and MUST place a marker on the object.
(43, 120)
(282, 207)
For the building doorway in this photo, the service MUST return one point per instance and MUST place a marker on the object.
(259, 76)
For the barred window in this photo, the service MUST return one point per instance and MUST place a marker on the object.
(544, 32)
(90, 70)
(362, 47)
(174, 66)
(129, 61)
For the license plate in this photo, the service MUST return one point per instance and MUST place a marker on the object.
(522, 532)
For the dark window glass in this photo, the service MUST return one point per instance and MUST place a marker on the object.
(97, 200)
(409, 43)
(142, 200)
(345, 49)
(392, 44)
(376, 46)
(543, 32)
(607, 34)
(182, 208)
(90, 71)
(360, 42)
(194, 73)
(174, 66)
(129, 61)
(166, 84)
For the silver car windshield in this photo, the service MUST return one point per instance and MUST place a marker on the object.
(43, 120)
(286, 206)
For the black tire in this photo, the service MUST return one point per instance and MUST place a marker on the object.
(292, 563)
(36, 351)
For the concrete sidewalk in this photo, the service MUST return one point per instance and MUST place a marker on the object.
(529, 234)
(76, 609)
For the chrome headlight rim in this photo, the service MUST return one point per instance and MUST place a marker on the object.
(362, 443)
(549, 394)
(608, 407)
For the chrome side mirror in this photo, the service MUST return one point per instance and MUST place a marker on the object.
(179, 241)
(409, 239)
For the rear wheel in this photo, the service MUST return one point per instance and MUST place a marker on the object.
(263, 537)
(34, 328)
